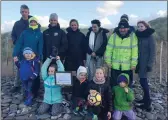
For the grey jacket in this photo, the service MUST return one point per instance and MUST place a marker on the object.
(146, 57)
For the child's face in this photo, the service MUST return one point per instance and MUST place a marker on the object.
(123, 84)
(82, 76)
(51, 71)
(28, 56)
(33, 23)
(99, 74)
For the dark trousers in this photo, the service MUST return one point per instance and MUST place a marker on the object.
(116, 73)
(145, 87)
(36, 86)
(27, 86)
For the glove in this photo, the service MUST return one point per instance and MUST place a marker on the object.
(149, 69)
(54, 52)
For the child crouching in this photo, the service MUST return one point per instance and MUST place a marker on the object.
(29, 71)
(52, 97)
(79, 89)
(123, 98)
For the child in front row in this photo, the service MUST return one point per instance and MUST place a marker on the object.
(123, 98)
(52, 97)
(79, 89)
(28, 72)
(100, 84)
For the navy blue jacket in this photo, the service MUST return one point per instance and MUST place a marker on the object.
(18, 28)
(28, 69)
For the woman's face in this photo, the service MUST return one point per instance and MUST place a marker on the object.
(74, 26)
(141, 27)
(33, 23)
(51, 71)
(99, 74)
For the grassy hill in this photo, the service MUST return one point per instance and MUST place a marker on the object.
(159, 24)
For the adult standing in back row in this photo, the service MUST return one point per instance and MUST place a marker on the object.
(76, 53)
(54, 36)
(96, 45)
(146, 59)
(18, 28)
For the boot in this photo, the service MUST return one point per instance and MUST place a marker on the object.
(146, 106)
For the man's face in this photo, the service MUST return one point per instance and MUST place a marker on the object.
(123, 31)
(24, 13)
(53, 22)
(95, 28)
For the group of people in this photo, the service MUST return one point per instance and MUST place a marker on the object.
(126, 50)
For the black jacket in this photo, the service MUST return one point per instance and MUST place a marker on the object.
(105, 91)
(147, 52)
(76, 52)
(101, 50)
(54, 36)
(79, 89)
(18, 28)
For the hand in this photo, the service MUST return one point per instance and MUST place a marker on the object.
(126, 89)
(133, 68)
(57, 57)
(93, 54)
(15, 59)
(109, 115)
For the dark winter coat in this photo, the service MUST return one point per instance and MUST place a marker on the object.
(28, 69)
(79, 89)
(101, 50)
(132, 29)
(76, 52)
(146, 44)
(18, 28)
(29, 38)
(54, 36)
(105, 91)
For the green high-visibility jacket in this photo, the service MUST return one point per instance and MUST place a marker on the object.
(122, 54)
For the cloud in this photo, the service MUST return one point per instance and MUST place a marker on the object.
(105, 22)
(7, 26)
(109, 8)
(43, 20)
(162, 13)
(133, 16)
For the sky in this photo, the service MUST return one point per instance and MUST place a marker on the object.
(108, 12)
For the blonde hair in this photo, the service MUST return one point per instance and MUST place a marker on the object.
(102, 68)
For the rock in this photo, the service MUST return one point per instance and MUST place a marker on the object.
(12, 114)
(139, 114)
(6, 101)
(67, 117)
(16, 101)
(149, 116)
(19, 111)
(13, 108)
(5, 110)
(21, 106)
(44, 116)
(5, 105)
(32, 117)
(138, 118)
(161, 117)
(139, 110)
(4, 115)
(158, 106)
(159, 101)
(55, 117)
(22, 118)
(9, 118)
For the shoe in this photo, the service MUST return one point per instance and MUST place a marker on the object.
(139, 101)
(145, 107)
(94, 117)
(75, 112)
(15, 89)
(28, 102)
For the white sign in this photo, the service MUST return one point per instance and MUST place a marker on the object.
(64, 79)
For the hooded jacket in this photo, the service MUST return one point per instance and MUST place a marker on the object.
(54, 36)
(76, 51)
(18, 28)
(29, 38)
(105, 91)
(101, 50)
(52, 92)
(122, 100)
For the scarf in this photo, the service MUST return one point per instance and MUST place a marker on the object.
(91, 40)
(33, 27)
(146, 33)
(99, 82)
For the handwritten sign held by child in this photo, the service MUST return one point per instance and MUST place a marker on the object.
(63, 78)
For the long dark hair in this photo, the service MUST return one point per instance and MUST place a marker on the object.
(73, 20)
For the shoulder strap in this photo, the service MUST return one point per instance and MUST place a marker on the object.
(131, 38)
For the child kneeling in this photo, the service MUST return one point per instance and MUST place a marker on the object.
(123, 98)
(52, 96)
